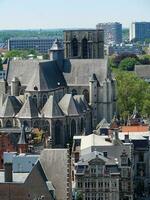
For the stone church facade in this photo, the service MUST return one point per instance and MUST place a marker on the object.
(62, 96)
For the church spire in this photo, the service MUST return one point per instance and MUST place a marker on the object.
(22, 145)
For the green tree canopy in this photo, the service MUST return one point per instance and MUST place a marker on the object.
(128, 64)
(132, 90)
(20, 53)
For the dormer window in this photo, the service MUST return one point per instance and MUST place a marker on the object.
(124, 158)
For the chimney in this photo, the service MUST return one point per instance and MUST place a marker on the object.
(105, 154)
(8, 172)
(126, 138)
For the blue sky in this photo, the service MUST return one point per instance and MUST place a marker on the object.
(31, 14)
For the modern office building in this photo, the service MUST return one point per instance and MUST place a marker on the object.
(139, 31)
(119, 49)
(41, 45)
(112, 32)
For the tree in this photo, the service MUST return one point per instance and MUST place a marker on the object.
(79, 196)
(20, 53)
(115, 60)
(128, 64)
(146, 103)
(132, 90)
(144, 59)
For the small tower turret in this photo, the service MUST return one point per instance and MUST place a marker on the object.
(57, 53)
(22, 145)
(15, 87)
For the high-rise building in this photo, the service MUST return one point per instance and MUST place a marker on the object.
(139, 31)
(112, 32)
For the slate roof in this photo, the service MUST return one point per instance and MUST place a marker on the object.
(78, 71)
(28, 110)
(95, 154)
(68, 105)
(44, 74)
(55, 163)
(98, 143)
(94, 140)
(51, 109)
(10, 107)
(143, 71)
(17, 177)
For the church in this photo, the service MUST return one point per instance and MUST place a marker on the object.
(67, 95)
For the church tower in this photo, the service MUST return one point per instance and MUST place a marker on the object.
(84, 44)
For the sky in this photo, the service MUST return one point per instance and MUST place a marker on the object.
(51, 14)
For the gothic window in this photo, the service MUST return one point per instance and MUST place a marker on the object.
(8, 124)
(36, 124)
(58, 127)
(44, 99)
(25, 123)
(74, 45)
(86, 95)
(46, 127)
(74, 92)
(84, 48)
(73, 128)
(17, 123)
(35, 100)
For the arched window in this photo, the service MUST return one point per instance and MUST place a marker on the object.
(17, 123)
(44, 99)
(84, 48)
(36, 124)
(35, 100)
(74, 45)
(86, 95)
(46, 127)
(58, 126)
(25, 123)
(74, 92)
(73, 128)
(9, 124)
